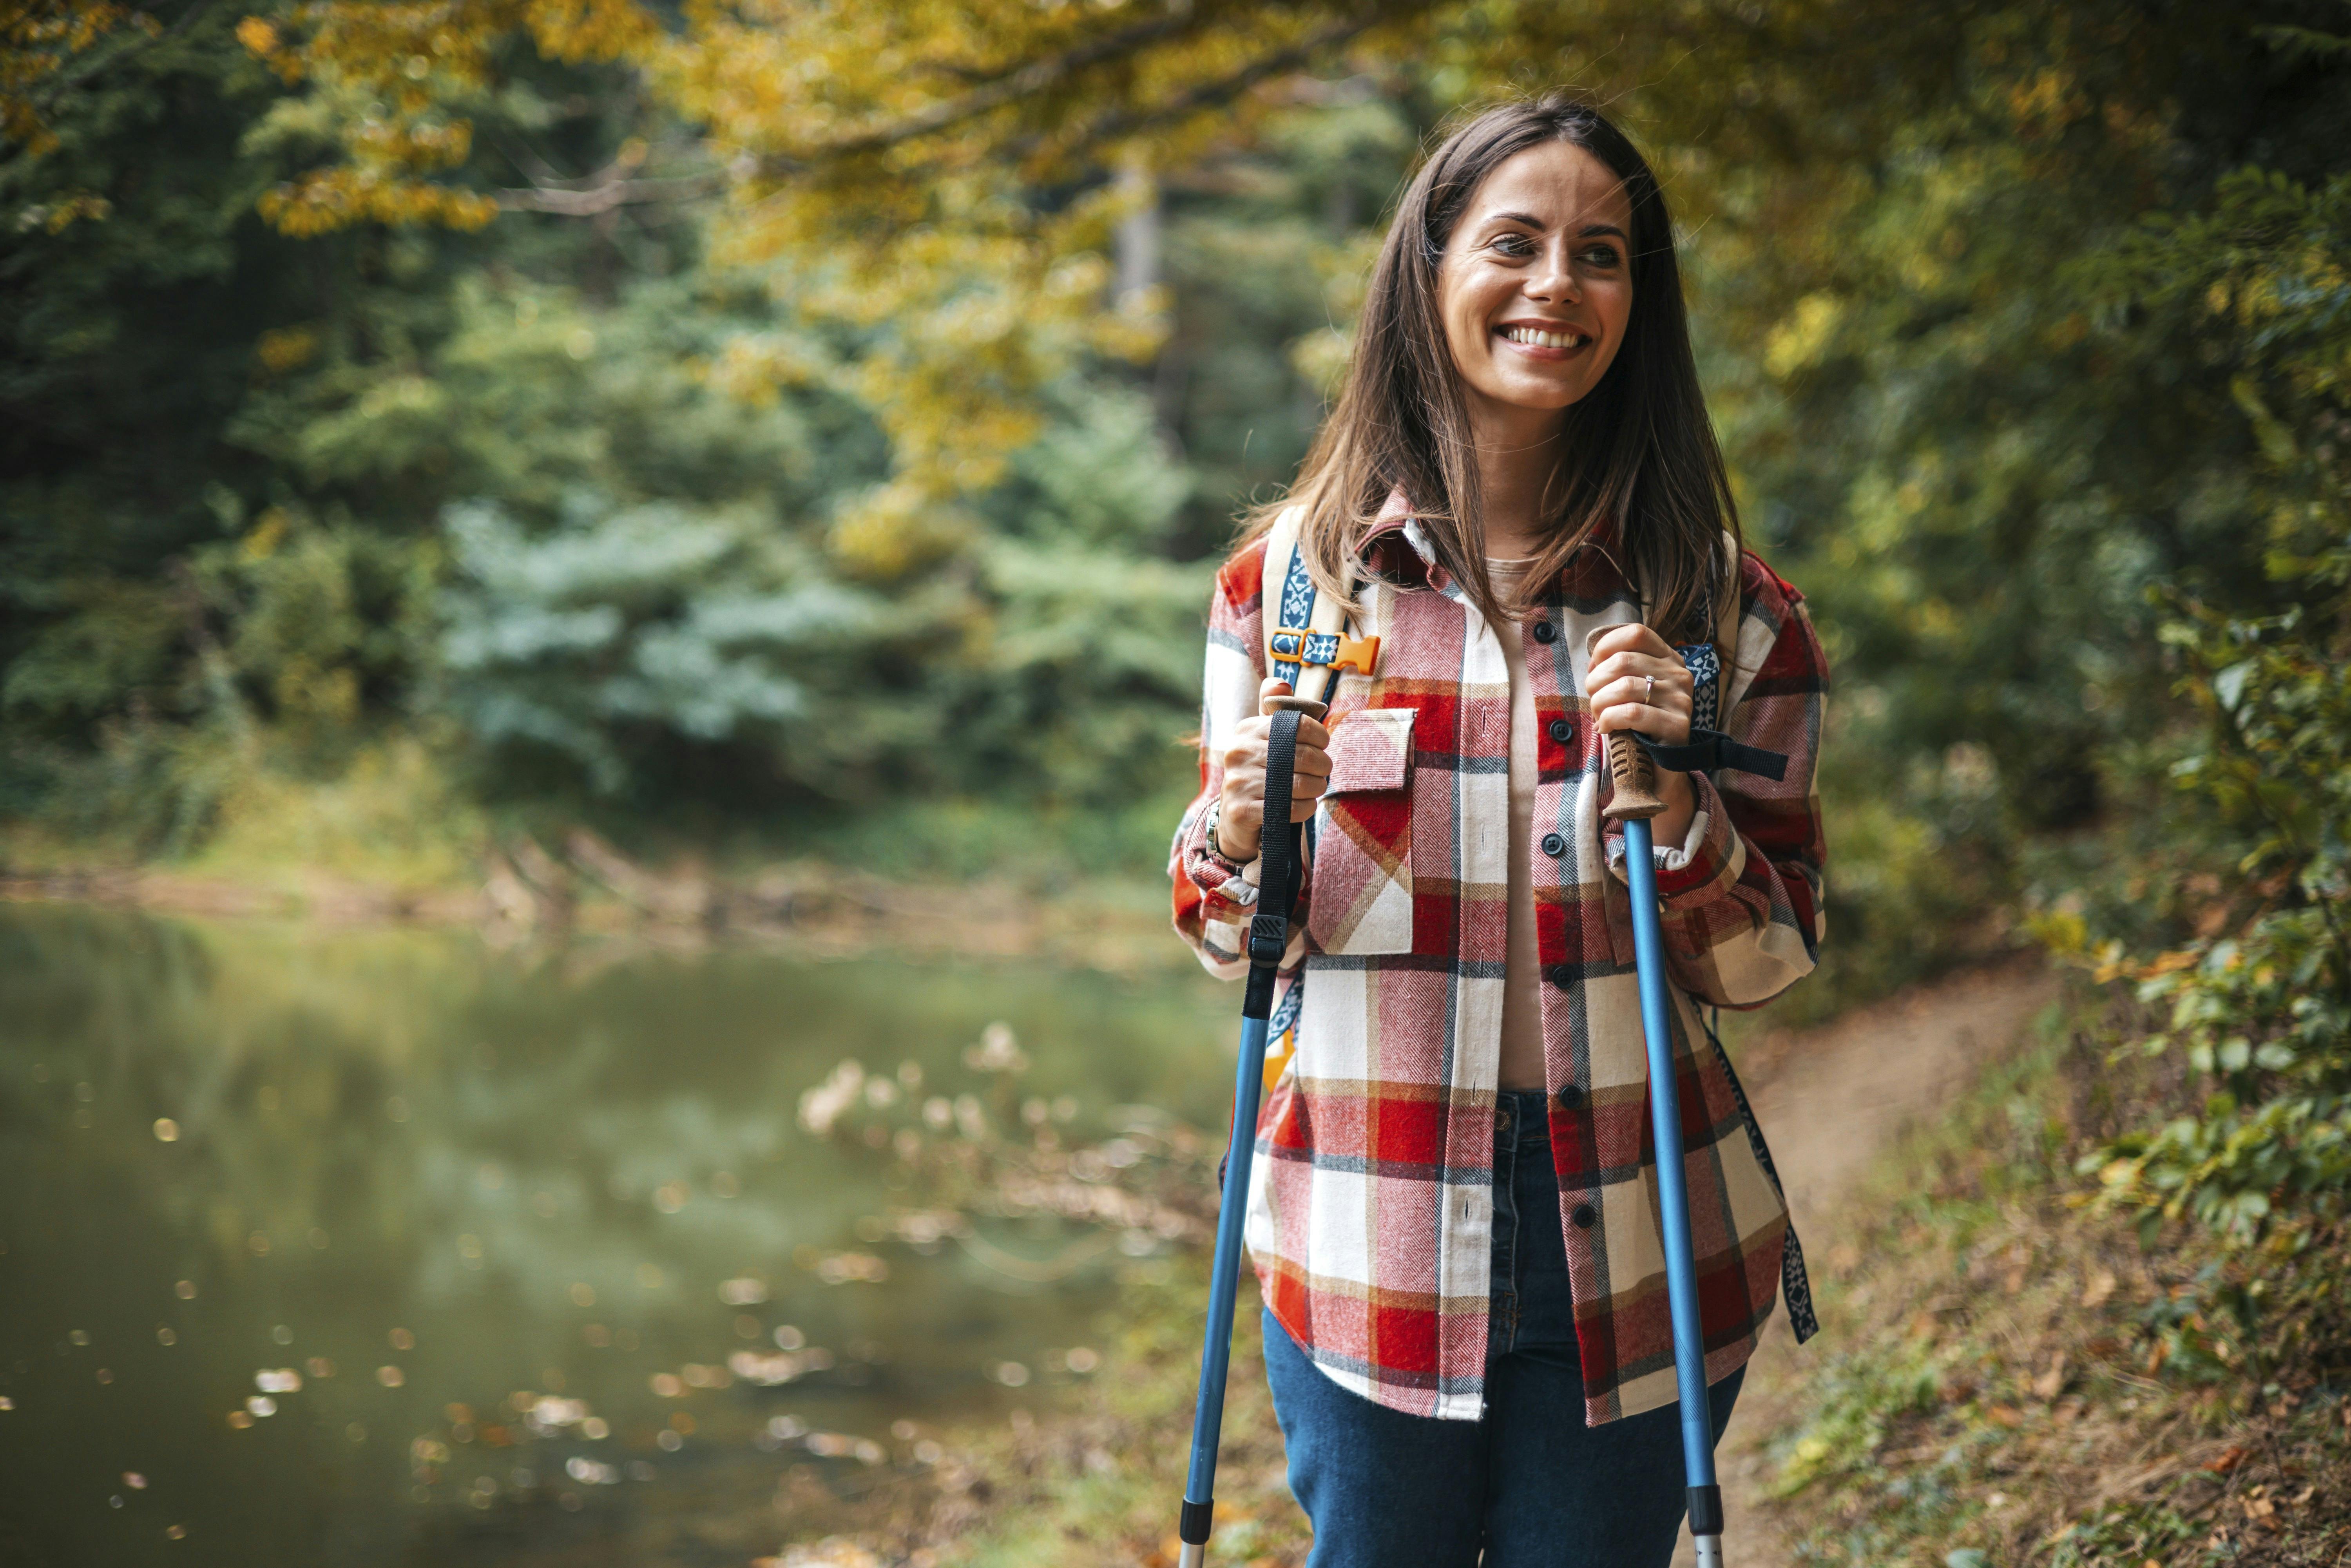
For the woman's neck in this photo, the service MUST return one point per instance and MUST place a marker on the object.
(1518, 453)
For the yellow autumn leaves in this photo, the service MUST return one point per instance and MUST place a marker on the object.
(935, 182)
(40, 43)
(391, 81)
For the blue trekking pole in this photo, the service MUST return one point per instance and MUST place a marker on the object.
(1269, 937)
(1634, 802)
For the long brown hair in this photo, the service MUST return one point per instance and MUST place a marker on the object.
(1639, 449)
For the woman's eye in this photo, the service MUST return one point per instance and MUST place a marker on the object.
(1515, 244)
(1601, 255)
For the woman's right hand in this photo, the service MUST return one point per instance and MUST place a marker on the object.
(1240, 812)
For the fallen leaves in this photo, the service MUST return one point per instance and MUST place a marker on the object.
(2100, 1286)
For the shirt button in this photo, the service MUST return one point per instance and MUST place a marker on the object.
(1546, 633)
(1583, 1217)
(1562, 731)
(1553, 845)
(1571, 1096)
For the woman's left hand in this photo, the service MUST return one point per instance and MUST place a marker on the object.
(1637, 682)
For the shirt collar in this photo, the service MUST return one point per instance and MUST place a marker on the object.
(1397, 520)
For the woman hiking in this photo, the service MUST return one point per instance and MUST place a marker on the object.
(1518, 503)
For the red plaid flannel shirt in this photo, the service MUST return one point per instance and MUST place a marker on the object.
(1371, 1206)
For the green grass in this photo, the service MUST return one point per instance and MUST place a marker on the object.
(2006, 1375)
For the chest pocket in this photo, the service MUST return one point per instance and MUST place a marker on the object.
(1360, 894)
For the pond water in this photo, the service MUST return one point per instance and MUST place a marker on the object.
(361, 1248)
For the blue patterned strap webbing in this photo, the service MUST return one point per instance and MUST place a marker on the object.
(1294, 611)
(1795, 1284)
(1293, 642)
(1705, 693)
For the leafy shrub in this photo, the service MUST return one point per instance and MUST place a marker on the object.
(624, 630)
(2261, 1012)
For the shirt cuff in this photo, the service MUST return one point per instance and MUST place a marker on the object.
(1696, 862)
(1225, 881)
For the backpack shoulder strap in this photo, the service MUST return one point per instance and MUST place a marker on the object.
(1305, 628)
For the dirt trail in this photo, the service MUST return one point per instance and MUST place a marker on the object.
(1829, 1098)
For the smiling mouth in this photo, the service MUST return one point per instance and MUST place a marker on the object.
(1538, 340)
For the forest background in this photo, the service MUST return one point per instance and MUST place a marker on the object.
(757, 431)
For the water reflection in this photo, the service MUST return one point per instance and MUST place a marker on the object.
(361, 1248)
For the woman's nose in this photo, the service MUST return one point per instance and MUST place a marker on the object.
(1555, 279)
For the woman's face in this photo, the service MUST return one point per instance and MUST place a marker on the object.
(1536, 284)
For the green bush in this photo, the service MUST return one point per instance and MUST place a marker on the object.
(2259, 1009)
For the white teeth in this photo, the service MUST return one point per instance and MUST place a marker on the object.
(1529, 336)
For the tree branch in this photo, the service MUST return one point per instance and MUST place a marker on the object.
(1023, 82)
(603, 192)
(1208, 95)
(1037, 76)
(101, 57)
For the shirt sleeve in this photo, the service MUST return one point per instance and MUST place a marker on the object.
(1213, 895)
(1740, 895)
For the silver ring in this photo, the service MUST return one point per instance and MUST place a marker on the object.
(1649, 692)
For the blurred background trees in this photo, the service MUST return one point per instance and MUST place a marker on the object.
(766, 428)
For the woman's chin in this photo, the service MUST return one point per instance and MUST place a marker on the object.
(1545, 394)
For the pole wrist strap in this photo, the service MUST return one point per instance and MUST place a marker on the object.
(1708, 750)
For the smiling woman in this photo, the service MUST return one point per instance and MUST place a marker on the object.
(1539, 221)
(1520, 507)
(1536, 290)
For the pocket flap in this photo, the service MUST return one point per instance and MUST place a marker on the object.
(1371, 748)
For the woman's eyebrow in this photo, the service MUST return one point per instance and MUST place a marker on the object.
(1528, 220)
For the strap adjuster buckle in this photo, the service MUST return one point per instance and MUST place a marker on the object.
(1325, 650)
(1268, 938)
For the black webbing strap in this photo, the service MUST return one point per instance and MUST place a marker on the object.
(1708, 750)
(1268, 935)
(1795, 1281)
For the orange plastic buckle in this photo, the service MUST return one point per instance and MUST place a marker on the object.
(1357, 654)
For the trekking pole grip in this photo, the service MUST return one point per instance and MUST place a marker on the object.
(1635, 777)
(1630, 768)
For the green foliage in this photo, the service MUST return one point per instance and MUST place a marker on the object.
(2155, 1531)
(1976, 437)
(1852, 1412)
(220, 464)
(268, 588)
(1979, 449)
(2263, 1015)
(508, 497)
(1083, 662)
(2262, 1012)
(1056, 665)
(651, 620)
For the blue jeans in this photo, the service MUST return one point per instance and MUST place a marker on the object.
(1530, 1486)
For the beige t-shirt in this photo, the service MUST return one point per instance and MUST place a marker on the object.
(1522, 1050)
